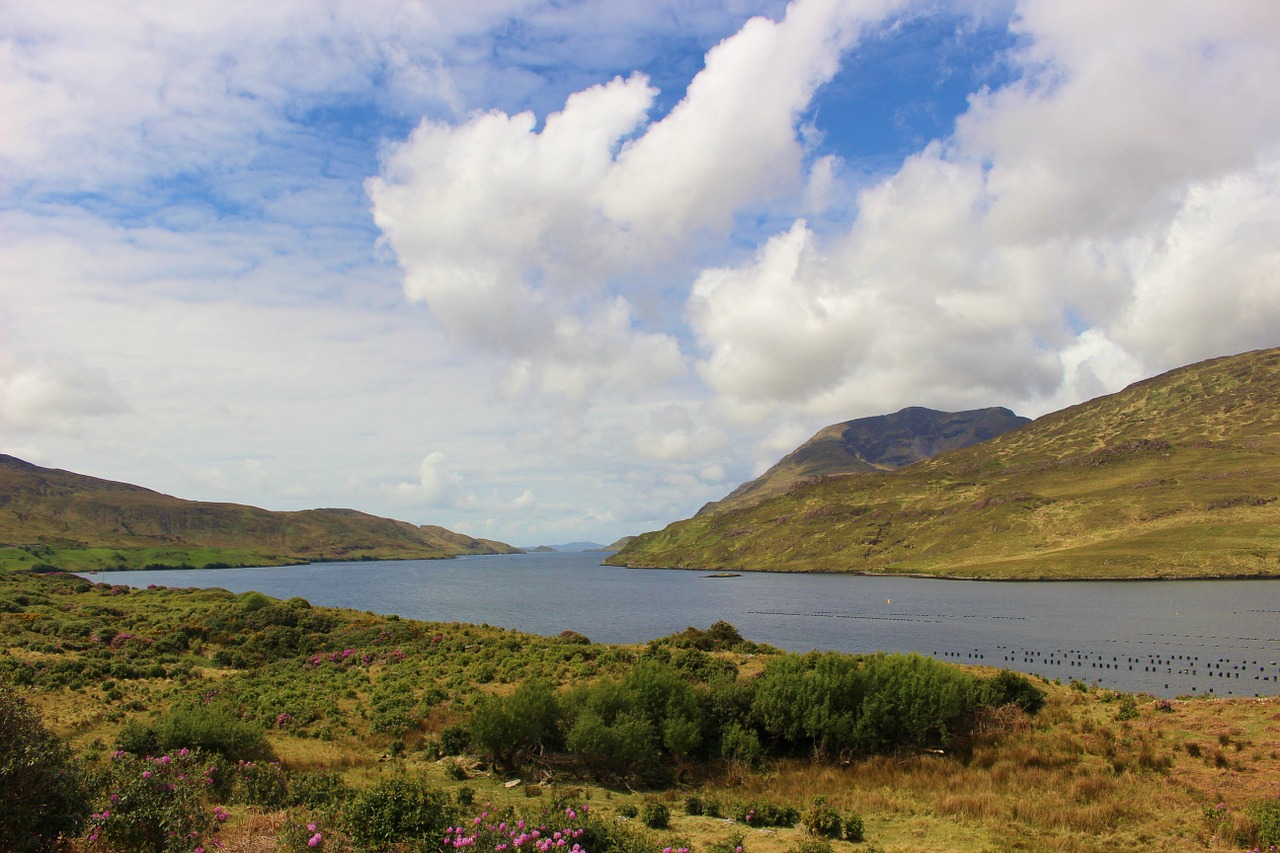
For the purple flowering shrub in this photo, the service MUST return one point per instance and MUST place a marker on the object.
(156, 805)
(500, 832)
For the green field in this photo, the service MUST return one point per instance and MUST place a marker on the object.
(381, 732)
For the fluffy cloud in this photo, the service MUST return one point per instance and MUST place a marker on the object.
(437, 485)
(511, 233)
(1111, 207)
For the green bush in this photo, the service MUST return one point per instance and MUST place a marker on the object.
(759, 814)
(198, 727)
(251, 601)
(628, 810)
(854, 830)
(625, 748)
(1009, 687)
(1266, 821)
(507, 728)
(397, 812)
(656, 815)
(454, 739)
(318, 789)
(44, 792)
(822, 820)
(741, 744)
(836, 704)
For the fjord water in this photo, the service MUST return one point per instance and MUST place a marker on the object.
(1167, 638)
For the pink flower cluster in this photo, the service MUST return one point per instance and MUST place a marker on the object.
(486, 836)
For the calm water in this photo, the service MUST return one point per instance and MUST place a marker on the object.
(1166, 638)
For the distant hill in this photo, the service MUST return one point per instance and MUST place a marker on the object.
(72, 521)
(880, 443)
(1175, 476)
(567, 547)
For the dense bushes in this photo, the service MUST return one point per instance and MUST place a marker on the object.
(835, 704)
(658, 717)
(213, 730)
(44, 792)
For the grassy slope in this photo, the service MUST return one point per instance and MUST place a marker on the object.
(1176, 476)
(1083, 775)
(82, 523)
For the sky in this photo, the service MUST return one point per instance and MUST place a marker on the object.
(559, 270)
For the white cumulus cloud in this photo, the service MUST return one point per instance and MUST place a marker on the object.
(517, 236)
(1114, 206)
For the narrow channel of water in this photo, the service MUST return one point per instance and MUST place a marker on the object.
(1168, 638)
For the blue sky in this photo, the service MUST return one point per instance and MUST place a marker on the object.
(559, 271)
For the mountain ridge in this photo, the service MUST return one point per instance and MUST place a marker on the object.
(54, 516)
(876, 443)
(1177, 475)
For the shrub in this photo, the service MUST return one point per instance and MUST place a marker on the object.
(44, 791)
(1009, 687)
(208, 729)
(318, 789)
(155, 805)
(656, 815)
(397, 811)
(821, 819)
(693, 806)
(853, 827)
(505, 728)
(252, 601)
(261, 785)
(741, 744)
(628, 810)
(1266, 820)
(625, 748)
(758, 814)
(454, 739)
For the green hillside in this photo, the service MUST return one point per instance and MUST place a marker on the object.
(71, 521)
(880, 443)
(1175, 476)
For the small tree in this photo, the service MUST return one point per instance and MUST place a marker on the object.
(507, 728)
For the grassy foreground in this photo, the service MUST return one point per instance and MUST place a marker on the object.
(337, 704)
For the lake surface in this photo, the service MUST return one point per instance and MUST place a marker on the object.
(1168, 638)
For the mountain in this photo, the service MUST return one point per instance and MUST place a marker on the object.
(567, 546)
(880, 443)
(1175, 476)
(70, 520)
